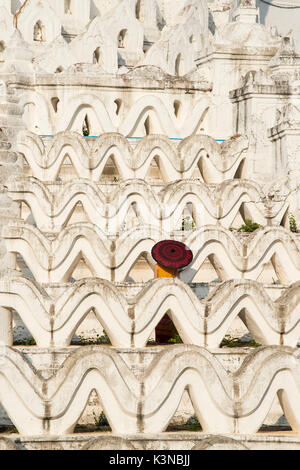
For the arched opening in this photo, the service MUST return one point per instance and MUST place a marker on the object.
(240, 217)
(179, 65)
(147, 126)
(90, 330)
(139, 10)
(86, 127)
(59, 69)
(77, 214)
(81, 269)
(26, 214)
(285, 219)
(122, 38)
(54, 102)
(39, 32)
(133, 219)
(277, 417)
(177, 108)
(166, 332)
(185, 417)
(66, 171)
(155, 173)
(205, 168)
(238, 334)
(268, 274)
(191, 39)
(240, 172)
(209, 271)
(142, 270)
(187, 222)
(97, 56)
(21, 333)
(118, 104)
(23, 267)
(93, 418)
(85, 121)
(110, 171)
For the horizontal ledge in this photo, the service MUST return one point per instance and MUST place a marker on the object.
(131, 138)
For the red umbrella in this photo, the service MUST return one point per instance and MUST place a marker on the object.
(172, 254)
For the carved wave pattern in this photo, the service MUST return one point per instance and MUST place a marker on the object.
(224, 402)
(130, 320)
(52, 206)
(215, 162)
(53, 259)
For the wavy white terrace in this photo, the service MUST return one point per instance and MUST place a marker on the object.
(54, 405)
(182, 205)
(67, 154)
(233, 256)
(130, 321)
